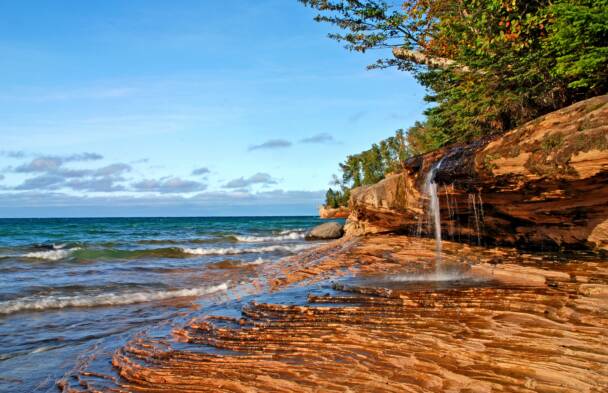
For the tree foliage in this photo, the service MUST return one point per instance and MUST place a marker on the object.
(336, 198)
(488, 65)
(368, 167)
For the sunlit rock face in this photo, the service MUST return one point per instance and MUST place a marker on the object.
(542, 185)
(339, 212)
(371, 315)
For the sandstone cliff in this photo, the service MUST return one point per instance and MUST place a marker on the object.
(542, 185)
(328, 212)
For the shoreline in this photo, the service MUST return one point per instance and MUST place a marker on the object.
(346, 315)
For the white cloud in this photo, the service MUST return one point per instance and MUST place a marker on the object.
(200, 171)
(53, 204)
(170, 185)
(112, 170)
(101, 184)
(52, 163)
(319, 138)
(271, 144)
(258, 178)
(53, 175)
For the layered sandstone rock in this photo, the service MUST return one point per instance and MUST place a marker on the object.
(328, 212)
(542, 185)
(512, 322)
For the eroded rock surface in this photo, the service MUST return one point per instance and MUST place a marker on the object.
(338, 212)
(516, 323)
(542, 185)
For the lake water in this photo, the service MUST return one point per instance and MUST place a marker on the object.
(67, 285)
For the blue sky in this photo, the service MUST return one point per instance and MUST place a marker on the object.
(135, 108)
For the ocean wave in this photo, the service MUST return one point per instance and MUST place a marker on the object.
(49, 246)
(236, 264)
(50, 255)
(296, 230)
(283, 235)
(92, 254)
(220, 239)
(96, 254)
(233, 251)
(106, 299)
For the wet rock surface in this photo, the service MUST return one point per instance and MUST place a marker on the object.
(373, 315)
(543, 185)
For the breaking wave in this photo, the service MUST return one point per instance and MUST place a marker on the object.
(95, 254)
(107, 299)
(284, 235)
(105, 253)
(218, 239)
(51, 255)
(233, 251)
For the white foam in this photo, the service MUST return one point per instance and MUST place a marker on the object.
(287, 231)
(284, 235)
(42, 349)
(51, 255)
(258, 261)
(106, 299)
(232, 250)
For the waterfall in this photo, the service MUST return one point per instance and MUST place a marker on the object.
(478, 218)
(430, 188)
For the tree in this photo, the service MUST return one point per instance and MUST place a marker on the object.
(368, 167)
(330, 198)
(489, 65)
(577, 39)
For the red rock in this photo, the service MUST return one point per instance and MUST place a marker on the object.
(328, 212)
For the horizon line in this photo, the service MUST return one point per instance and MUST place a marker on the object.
(177, 216)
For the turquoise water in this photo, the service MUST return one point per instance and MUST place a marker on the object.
(69, 284)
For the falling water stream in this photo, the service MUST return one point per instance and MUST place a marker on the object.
(430, 188)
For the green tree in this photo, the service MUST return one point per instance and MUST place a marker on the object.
(577, 39)
(489, 65)
(368, 167)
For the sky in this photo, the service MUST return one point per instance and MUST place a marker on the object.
(189, 108)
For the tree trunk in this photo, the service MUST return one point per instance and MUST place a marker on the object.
(431, 62)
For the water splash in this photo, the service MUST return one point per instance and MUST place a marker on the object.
(430, 188)
(429, 277)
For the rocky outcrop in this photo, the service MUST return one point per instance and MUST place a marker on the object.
(329, 212)
(326, 231)
(542, 185)
(513, 322)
